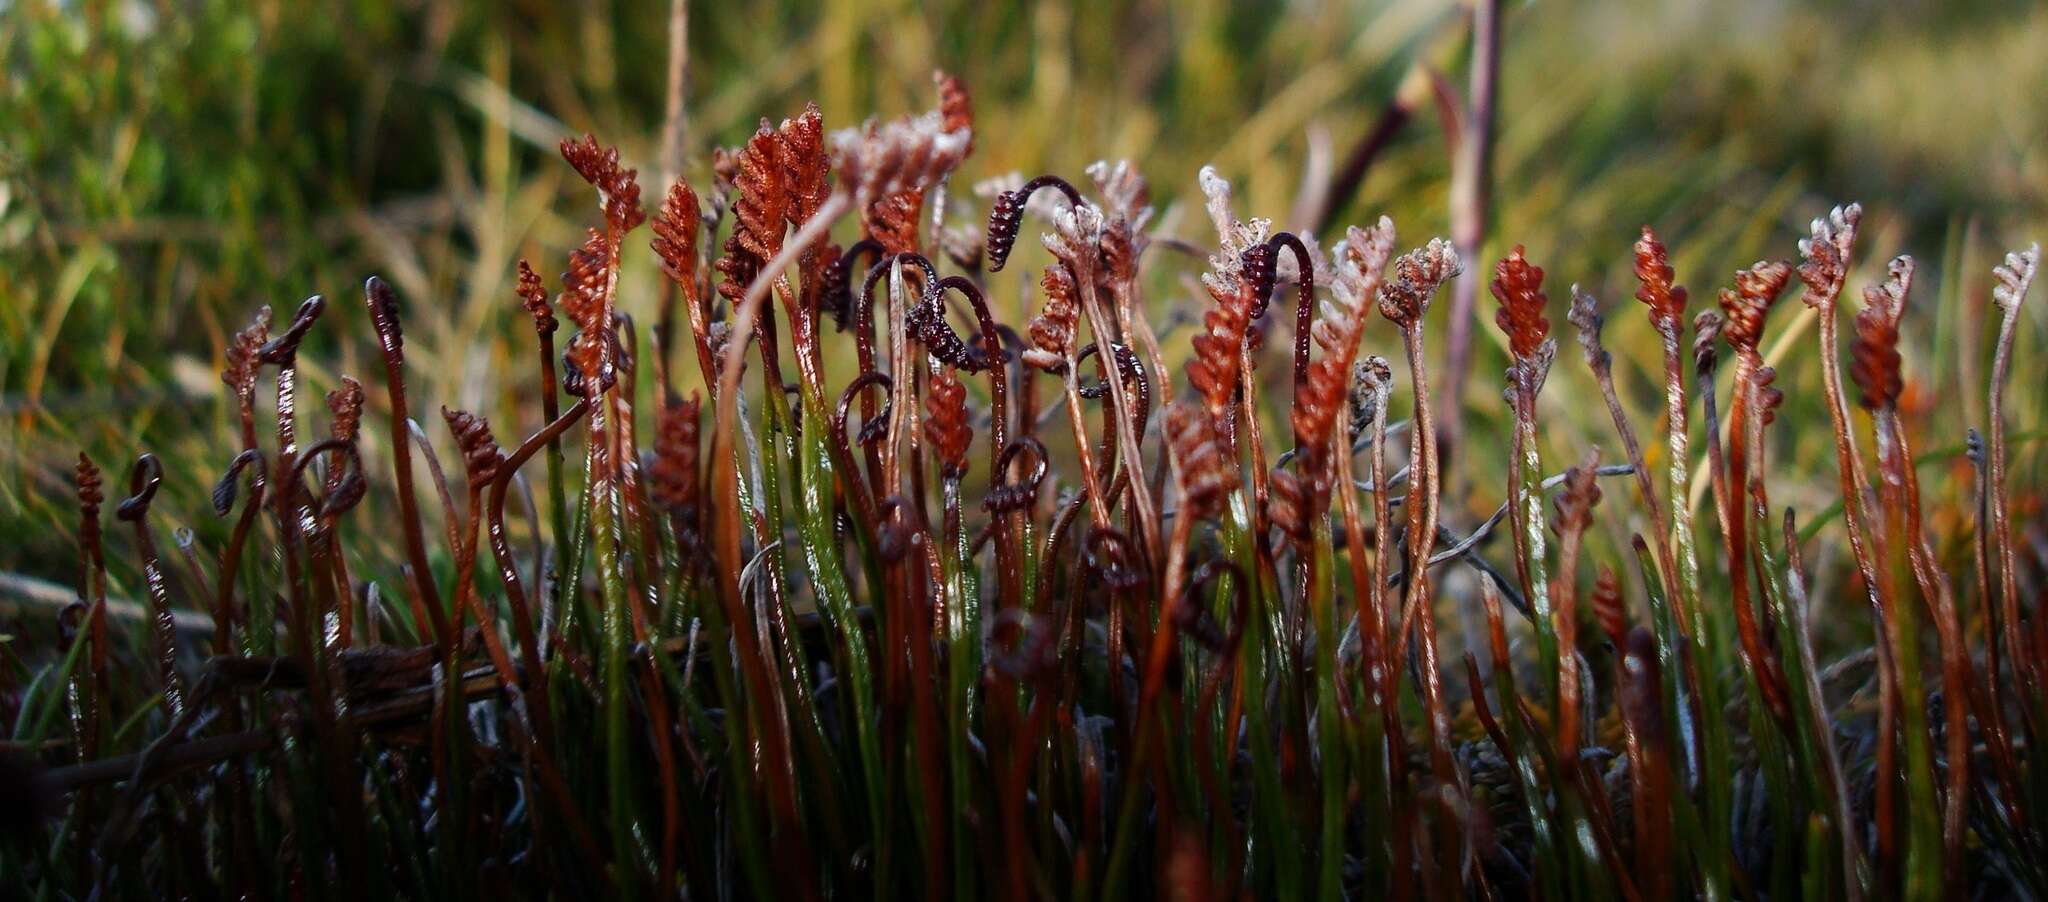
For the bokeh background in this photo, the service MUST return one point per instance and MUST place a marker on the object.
(166, 167)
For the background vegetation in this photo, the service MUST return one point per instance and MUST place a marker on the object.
(166, 168)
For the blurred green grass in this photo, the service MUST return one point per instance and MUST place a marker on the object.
(167, 167)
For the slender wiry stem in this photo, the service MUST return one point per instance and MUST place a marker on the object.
(1422, 514)
(2017, 276)
(384, 316)
(1471, 201)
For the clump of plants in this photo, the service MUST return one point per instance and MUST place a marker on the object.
(1024, 610)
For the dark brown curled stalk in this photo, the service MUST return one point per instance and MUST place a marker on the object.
(143, 480)
(1006, 216)
(1327, 385)
(998, 365)
(870, 432)
(1111, 556)
(225, 615)
(383, 304)
(1262, 272)
(836, 296)
(864, 339)
(1008, 496)
(927, 320)
(282, 352)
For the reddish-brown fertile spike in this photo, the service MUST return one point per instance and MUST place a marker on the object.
(806, 167)
(883, 158)
(1706, 331)
(1291, 503)
(1120, 248)
(1518, 286)
(674, 474)
(1207, 474)
(1575, 505)
(1609, 608)
(618, 192)
(239, 373)
(1417, 276)
(1768, 398)
(675, 233)
(893, 221)
(480, 454)
(1584, 315)
(90, 494)
(1653, 270)
(1053, 329)
(758, 216)
(1213, 372)
(1826, 254)
(956, 108)
(583, 283)
(534, 298)
(1125, 193)
(946, 423)
(1372, 380)
(1889, 297)
(345, 404)
(1874, 360)
(1749, 303)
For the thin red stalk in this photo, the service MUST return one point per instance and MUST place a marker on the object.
(539, 707)
(774, 739)
(1756, 655)
(383, 305)
(2015, 278)
(1957, 679)
(1422, 519)
(143, 480)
